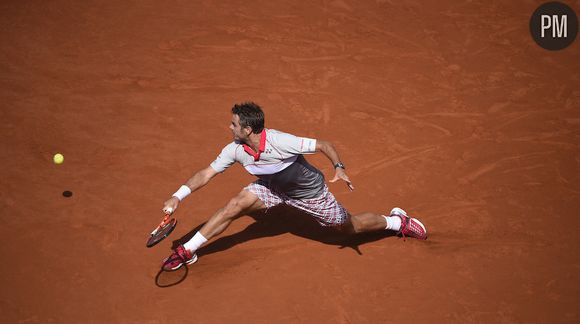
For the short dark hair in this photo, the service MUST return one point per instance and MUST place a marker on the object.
(250, 115)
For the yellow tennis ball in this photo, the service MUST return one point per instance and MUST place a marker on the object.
(58, 158)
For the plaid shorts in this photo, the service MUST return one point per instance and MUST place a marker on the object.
(325, 209)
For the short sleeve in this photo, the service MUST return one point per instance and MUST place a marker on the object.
(225, 159)
(295, 145)
(308, 145)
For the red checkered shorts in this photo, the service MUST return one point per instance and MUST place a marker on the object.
(325, 209)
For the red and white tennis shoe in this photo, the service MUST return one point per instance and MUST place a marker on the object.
(178, 258)
(411, 227)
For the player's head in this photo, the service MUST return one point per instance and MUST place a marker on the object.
(248, 118)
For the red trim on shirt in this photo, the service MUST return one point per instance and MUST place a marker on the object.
(260, 149)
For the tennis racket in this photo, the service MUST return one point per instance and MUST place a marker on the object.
(162, 231)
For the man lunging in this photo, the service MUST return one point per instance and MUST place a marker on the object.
(284, 176)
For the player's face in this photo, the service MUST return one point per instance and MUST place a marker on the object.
(240, 134)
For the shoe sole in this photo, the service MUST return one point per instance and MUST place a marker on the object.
(398, 212)
(188, 262)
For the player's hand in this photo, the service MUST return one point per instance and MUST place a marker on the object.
(341, 175)
(170, 205)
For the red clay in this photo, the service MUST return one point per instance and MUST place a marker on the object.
(449, 110)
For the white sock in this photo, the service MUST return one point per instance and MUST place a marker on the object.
(393, 223)
(196, 241)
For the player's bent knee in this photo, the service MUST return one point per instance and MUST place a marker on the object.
(238, 204)
(233, 208)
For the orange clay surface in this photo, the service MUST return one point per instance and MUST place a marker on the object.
(448, 109)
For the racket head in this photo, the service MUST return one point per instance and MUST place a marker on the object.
(161, 233)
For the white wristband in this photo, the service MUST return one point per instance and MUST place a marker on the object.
(183, 192)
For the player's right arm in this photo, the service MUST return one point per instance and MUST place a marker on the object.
(225, 159)
(199, 179)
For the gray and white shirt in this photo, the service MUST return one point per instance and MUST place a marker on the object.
(279, 162)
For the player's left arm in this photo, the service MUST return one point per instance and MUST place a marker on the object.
(330, 151)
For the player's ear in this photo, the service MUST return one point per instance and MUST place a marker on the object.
(248, 130)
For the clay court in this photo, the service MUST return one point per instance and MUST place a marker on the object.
(447, 109)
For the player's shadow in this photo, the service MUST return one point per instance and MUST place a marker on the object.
(283, 219)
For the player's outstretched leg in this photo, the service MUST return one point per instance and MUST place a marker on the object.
(398, 220)
(244, 203)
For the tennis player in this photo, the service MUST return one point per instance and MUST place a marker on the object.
(284, 177)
